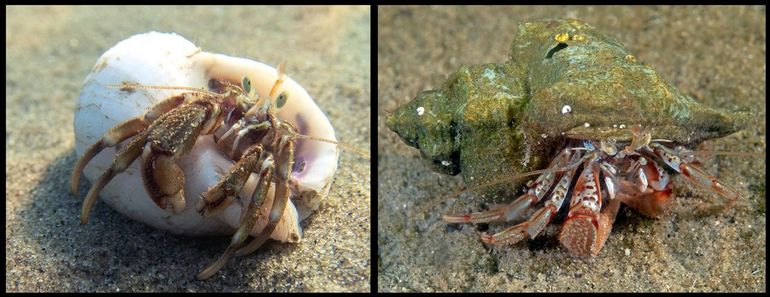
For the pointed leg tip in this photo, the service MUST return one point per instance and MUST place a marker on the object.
(202, 276)
(456, 219)
(213, 268)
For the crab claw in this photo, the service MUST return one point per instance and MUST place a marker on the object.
(584, 235)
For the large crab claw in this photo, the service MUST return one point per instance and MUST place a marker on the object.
(584, 235)
(586, 228)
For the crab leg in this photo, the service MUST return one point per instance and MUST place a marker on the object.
(122, 132)
(694, 174)
(537, 222)
(518, 207)
(651, 201)
(123, 158)
(170, 137)
(248, 217)
(586, 228)
(218, 197)
(245, 130)
(285, 161)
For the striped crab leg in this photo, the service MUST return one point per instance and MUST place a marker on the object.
(694, 174)
(537, 222)
(516, 209)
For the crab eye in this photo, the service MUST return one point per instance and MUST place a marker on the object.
(281, 100)
(246, 84)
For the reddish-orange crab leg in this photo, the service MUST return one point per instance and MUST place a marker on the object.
(651, 201)
(248, 217)
(586, 228)
(694, 174)
(537, 222)
(123, 158)
(285, 162)
(122, 132)
(517, 208)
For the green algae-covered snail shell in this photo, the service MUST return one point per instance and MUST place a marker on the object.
(564, 80)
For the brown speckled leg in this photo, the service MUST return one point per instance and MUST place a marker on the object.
(163, 179)
(248, 217)
(281, 198)
(122, 132)
(218, 197)
(123, 158)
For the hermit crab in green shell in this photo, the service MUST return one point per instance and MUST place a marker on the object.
(223, 145)
(574, 109)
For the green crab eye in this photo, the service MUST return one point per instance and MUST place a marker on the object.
(281, 100)
(246, 84)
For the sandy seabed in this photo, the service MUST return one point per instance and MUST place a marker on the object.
(50, 50)
(716, 54)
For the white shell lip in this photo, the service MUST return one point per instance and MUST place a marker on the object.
(168, 59)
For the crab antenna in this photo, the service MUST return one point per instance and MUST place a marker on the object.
(342, 145)
(131, 86)
(279, 80)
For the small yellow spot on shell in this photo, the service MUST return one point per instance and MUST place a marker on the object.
(578, 37)
(631, 58)
(561, 37)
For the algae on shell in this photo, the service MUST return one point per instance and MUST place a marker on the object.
(564, 80)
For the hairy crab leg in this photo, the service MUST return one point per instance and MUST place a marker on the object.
(537, 222)
(122, 132)
(518, 207)
(248, 217)
(694, 174)
(588, 225)
(285, 162)
(219, 196)
(123, 158)
(262, 126)
(170, 137)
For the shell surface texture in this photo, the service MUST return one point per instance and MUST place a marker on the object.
(199, 143)
(574, 110)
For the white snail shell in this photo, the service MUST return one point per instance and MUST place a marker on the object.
(170, 60)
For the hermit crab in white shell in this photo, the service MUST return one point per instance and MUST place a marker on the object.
(201, 144)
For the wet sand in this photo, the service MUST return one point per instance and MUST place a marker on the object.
(716, 54)
(50, 50)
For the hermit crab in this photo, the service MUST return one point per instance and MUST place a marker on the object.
(575, 109)
(223, 145)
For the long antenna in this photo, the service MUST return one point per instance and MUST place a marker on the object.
(345, 146)
(128, 86)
